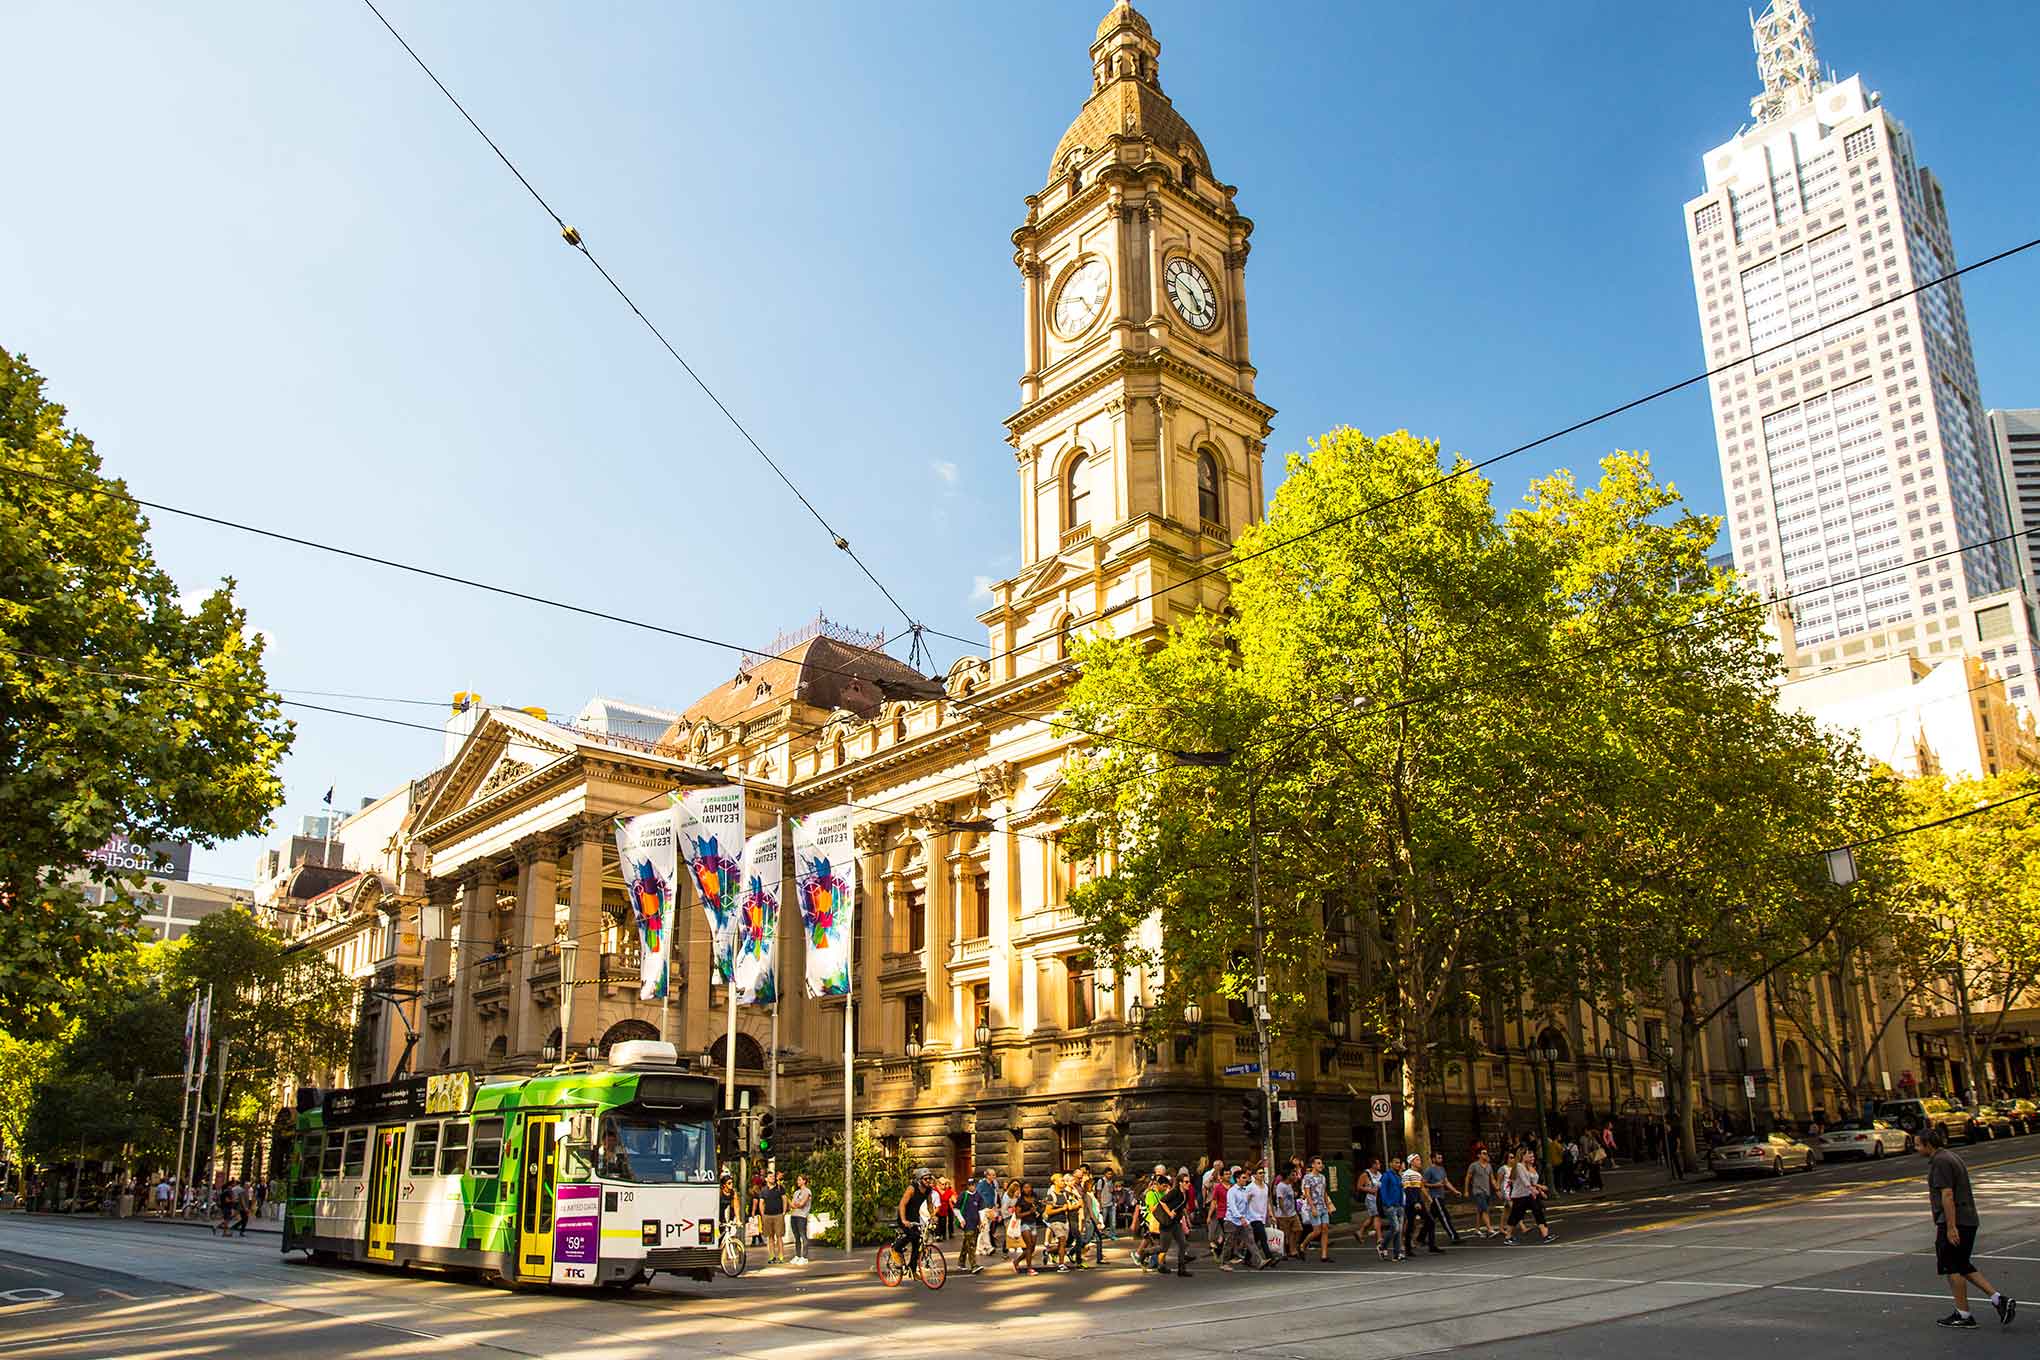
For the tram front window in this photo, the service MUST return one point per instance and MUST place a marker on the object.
(653, 1150)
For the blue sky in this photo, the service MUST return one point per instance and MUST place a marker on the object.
(277, 279)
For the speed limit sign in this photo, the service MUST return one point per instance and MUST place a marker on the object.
(1383, 1107)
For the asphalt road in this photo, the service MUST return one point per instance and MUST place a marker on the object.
(1813, 1266)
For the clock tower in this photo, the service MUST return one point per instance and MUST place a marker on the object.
(1138, 438)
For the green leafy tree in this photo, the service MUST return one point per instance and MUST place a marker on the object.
(113, 1085)
(1972, 877)
(1405, 757)
(881, 1170)
(1702, 807)
(280, 1012)
(120, 710)
(24, 1067)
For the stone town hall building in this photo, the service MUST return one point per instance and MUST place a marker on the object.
(1137, 448)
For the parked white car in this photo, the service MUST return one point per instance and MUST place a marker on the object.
(1863, 1138)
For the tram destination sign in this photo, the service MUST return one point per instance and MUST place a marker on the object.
(403, 1099)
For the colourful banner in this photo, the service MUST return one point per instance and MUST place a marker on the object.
(645, 850)
(825, 881)
(711, 841)
(758, 938)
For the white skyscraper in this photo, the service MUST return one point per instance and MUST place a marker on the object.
(1861, 449)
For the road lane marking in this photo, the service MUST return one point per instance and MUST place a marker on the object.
(131, 1298)
(26, 1270)
(1807, 1197)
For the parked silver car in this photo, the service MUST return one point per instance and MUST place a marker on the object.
(1771, 1154)
(1863, 1138)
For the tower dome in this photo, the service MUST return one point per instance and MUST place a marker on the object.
(1126, 96)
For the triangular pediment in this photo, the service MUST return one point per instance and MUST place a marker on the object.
(504, 749)
(1050, 576)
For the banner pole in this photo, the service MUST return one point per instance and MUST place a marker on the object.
(849, 1062)
(772, 1065)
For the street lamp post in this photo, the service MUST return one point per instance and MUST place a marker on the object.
(1608, 1056)
(1742, 1048)
(1848, 1080)
(983, 1035)
(1537, 1084)
(1551, 1062)
(1193, 1016)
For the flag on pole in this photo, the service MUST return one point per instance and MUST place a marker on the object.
(644, 848)
(190, 1032)
(329, 794)
(204, 1041)
(712, 843)
(825, 881)
(758, 940)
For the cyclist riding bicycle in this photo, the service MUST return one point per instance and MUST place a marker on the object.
(919, 1190)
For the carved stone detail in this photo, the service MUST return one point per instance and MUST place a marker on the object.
(506, 773)
(998, 780)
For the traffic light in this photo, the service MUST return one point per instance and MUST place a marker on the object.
(766, 1122)
(1254, 1117)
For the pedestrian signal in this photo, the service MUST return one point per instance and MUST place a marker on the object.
(1254, 1116)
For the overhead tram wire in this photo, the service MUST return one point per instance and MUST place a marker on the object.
(1363, 512)
(573, 238)
(107, 491)
(1368, 511)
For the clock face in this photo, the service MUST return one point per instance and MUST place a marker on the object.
(1082, 297)
(1192, 295)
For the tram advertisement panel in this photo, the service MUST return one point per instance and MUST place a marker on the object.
(577, 1234)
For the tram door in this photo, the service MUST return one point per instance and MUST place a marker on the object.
(538, 1173)
(385, 1185)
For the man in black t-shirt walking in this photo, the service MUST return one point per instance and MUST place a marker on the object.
(1955, 1223)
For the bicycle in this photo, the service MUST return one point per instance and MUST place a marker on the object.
(735, 1252)
(892, 1264)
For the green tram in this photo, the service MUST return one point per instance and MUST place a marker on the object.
(597, 1177)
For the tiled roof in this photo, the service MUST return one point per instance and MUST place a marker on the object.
(1131, 108)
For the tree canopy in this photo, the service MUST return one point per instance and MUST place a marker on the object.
(121, 710)
(1505, 756)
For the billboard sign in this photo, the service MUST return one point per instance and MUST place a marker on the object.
(161, 859)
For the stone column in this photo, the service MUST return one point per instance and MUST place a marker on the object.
(437, 952)
(477, 928)
(537, 889)
(1236, 296)
(1164, 457)
(872, 935)
(1158, 299)
(1031, 272)
(1000, 783)
(936, 910)
(696, 1022)
(590, 836)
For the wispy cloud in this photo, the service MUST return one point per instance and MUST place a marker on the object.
(981, 587)
(946, 471)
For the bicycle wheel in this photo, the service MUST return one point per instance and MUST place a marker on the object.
(891, 1266)
(934, 1268)
(735, 1255)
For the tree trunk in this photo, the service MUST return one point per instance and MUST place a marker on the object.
(1689, 1046)
(1979, 1080)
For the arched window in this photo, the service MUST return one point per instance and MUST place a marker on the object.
(1209, 507)
(1076, 493)
(839, 748)
(627, 1029)
(1062, 638)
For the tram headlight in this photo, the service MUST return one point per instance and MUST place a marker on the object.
(651, 1232)
(707, 1233)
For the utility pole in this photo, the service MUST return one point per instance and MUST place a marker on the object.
(219, 1100)
(568, 949)
(1260, 983)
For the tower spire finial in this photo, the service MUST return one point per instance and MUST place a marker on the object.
(1783, 37)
